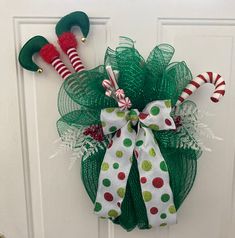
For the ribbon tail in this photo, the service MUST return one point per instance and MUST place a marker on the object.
(154, 180)
(114, 173)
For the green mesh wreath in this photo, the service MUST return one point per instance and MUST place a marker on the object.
(132, 109)
(82, 97)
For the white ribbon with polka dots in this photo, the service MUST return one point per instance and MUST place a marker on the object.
(115, 168)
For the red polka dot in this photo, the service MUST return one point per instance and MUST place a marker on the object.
(119, 204)
(168, 122)
(118, 133)
(153, 210)
(110, 144)
(157, 182)
(121, 176)
(143, 180)
(108, 197)
(143, 115)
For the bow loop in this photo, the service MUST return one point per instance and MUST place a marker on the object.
(112, 119)
(156, 116)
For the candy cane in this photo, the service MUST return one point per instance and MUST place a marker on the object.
(208, 77)
(108, 87)
(112, 89)
(107, 84)
(112, 76)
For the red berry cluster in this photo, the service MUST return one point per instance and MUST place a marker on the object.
(95, 131)
(178, 121)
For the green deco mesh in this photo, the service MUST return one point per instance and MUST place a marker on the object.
(82, 97)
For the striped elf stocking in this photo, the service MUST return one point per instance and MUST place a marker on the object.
(67, 39)
(48, 53)
(68, 44)
(51, 56)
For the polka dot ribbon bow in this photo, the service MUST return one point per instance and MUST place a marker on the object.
(133, 134)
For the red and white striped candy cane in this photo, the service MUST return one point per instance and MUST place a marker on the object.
(107, 84)
(208, 77)
(108, 87)
(112, 76)
(112, 89)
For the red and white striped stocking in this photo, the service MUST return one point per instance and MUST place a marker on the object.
(68, 44)
(49, 54)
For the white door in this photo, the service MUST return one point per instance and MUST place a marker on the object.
(42, 197)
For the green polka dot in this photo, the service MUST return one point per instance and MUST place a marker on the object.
(103, 123)
(127, 142)
(163, 216)
(139, 143)
(112, 128)
(109, 110)
(152, 152)
(154, 127)
(167, 103)
(154, 110)
(106, 182)
(104, 166)
(113, 213)
(115, 165)
(163, 166)
(146, 165)
(119, 153)
(133, 115)
(133, 112)
(121, 192)
(172, 209)
(129, 127)
(165, 197)
(131, 159)
(98, 207)
(120, 114)
(147, 196)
